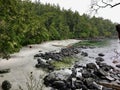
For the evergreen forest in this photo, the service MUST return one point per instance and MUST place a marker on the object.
(23, 22)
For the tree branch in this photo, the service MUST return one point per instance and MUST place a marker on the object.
(95, 5)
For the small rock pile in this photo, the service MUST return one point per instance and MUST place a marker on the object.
(44, 59)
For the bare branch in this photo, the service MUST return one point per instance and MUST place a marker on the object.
(98, 4)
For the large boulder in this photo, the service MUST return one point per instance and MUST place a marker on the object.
(6, 85)
(56, 76)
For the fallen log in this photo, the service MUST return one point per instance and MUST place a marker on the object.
(110, 85)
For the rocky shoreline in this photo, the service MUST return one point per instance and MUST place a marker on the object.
(92, 76)
(95, 75)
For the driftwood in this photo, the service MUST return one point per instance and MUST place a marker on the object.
(110, 85)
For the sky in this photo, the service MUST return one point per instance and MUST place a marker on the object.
(82, 6)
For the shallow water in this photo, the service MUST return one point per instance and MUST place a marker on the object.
(111, 52)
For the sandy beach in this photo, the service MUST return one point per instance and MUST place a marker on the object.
(23, 62)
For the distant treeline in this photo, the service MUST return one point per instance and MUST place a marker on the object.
(24, 22)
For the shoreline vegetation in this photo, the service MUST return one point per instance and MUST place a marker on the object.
(23, 22)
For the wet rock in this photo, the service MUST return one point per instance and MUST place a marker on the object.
(6, 85)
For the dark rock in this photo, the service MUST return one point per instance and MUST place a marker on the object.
(38, 55)
(99, 60)
(50, 68)
(85, 54)
(74, 72)
(101, 54)
(6, 85)
(118, 66)
(86, 74)
(91, 66)
(4, 71)
(59, 85)
(105, 67)
(84, 87)
(78, 84)
(100, 73)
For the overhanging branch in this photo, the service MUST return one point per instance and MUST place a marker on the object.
(95, 5)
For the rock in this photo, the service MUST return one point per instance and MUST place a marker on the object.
(59, 85)
(101, 54)
(50, 68)
(115, 61)
(110, 78)
(38, 55)
(100, 73)
(78, 84)
(74, 72)
(91, 66)
(41, 64)
(85, 54)
(99, 60)
(4, 71)
(105, 67)
(56, 76)
(118, 65)
(86, 74)
(84, 87)
(6, 85)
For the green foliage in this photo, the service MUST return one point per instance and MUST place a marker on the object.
(65, 63)
(91, 43)
(23, 22)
